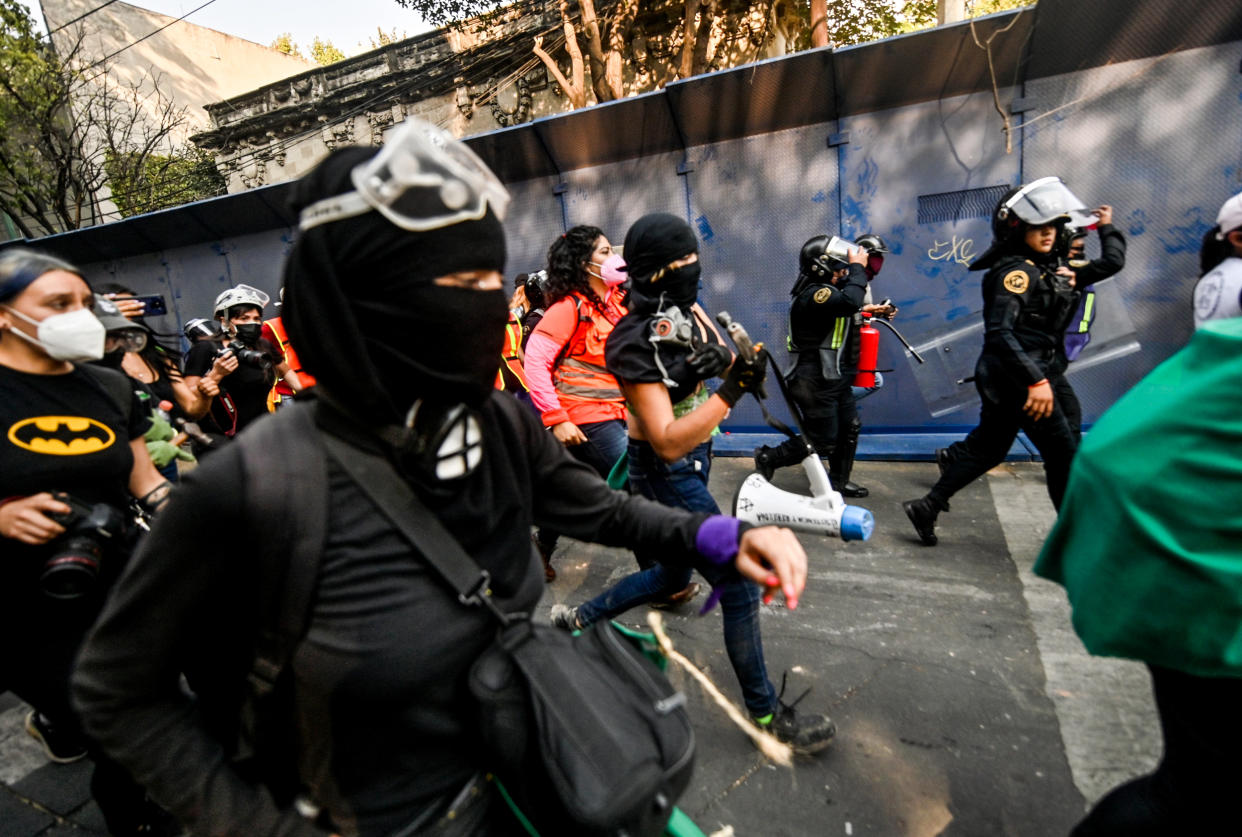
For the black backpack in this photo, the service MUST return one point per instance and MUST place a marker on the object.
(543, 695)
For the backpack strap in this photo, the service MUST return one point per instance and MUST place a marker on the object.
(286, 487)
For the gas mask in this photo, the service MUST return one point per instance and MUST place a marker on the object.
(442, 442)
(671, 325)
(76, 337)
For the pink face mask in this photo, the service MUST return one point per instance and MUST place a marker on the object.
(612, 271)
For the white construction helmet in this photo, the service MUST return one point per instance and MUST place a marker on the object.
(240, 295)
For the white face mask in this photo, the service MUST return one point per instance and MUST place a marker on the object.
(77, 336)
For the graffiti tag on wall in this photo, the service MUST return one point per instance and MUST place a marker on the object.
(960, 250)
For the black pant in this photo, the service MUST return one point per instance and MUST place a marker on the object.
(828, 407)
(1193, 788)
(42, 638)
(1000, 419)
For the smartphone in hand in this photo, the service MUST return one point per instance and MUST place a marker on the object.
(153, 305)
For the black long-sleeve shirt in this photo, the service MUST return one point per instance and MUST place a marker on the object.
(1112, 259)
(821, 317)
(381, 674)
(1025, 309)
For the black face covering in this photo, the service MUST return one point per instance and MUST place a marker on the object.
(249, 333)
(369, 322)
(651, 244)
(112, 359)
(451, 355)
(680, 285)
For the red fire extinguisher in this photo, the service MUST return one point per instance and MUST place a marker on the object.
(868, 353)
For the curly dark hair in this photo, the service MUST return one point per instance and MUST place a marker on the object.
(567, 259)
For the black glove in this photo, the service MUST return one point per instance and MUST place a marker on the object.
(709, 359)
(744, 377)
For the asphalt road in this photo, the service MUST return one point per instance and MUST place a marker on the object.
(964, 703)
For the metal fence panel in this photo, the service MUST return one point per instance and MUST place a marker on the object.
(753, 202)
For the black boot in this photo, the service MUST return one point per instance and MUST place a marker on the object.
(922, 513)
(841, 463)
(788, 452)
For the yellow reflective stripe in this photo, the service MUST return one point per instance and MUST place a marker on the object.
(1088, 306)
(838, 333)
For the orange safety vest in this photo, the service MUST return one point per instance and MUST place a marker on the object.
(281, 389)
(580, 373)
(511, 355)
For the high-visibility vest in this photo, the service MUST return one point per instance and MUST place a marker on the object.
(511, 355)
(281, 389)
(579, 372)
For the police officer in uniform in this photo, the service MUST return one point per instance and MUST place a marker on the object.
(823, 325)
(1027, 304)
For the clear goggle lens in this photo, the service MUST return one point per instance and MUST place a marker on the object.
(132, 339)
(422, 179)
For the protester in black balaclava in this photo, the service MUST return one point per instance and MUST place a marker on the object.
(395, 300)
(661, 353)
(370, 321)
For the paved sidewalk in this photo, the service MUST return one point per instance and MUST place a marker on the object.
(964, 703)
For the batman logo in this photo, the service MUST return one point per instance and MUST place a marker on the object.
(61, 435)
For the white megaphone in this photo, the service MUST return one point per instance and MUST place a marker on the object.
(823, 513)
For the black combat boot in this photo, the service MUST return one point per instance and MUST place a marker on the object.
(788, 452)
(841, 463)
(922, 513)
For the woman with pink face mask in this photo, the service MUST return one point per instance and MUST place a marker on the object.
(578, 399)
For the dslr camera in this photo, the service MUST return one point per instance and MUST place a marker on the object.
(244, 354)
(91, 532)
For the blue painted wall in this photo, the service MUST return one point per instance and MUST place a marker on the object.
(1159, 138)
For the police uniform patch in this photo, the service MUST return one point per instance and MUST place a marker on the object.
(1016, 281)
(822, 294)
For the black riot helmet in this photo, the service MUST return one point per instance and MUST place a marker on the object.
(872, 243)
(815, 262)
(1044, 201)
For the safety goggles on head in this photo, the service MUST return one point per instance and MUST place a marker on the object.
(1046, 201)
(422, 179)
(240, 295)
(132, 339)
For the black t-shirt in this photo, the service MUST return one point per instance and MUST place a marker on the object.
(247, 386)
(65, 433)
(631, 356)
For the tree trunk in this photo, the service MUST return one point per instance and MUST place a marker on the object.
(950, 11)
(575, 90)
(819, 23)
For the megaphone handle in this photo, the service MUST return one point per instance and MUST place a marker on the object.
(821, 486)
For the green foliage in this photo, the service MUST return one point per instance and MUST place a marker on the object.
(146, 183)
(446, 12)
(284, 43)
(978, 8)
(386, 38)
(324, 53)
(62, 129)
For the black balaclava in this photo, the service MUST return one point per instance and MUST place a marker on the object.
(369, 322)
(652, 242)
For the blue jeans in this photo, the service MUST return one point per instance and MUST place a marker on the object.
(604, 445)
(683, 484)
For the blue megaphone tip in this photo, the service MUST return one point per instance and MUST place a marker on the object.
(857, 524)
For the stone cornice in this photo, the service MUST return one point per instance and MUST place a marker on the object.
(414, 69)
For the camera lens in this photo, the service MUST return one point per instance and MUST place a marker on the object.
(73, 570)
